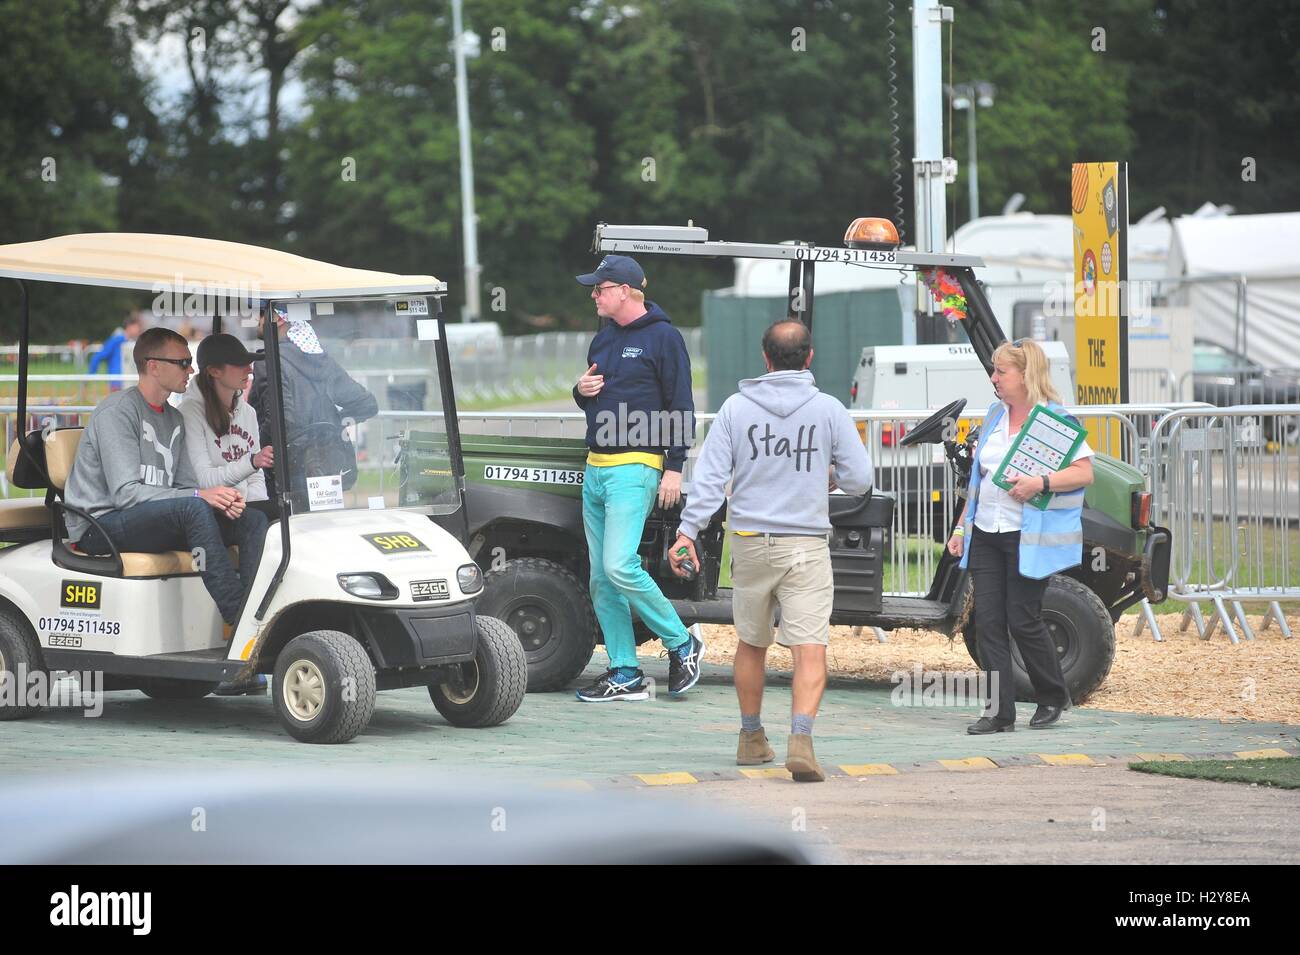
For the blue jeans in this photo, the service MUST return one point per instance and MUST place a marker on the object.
(184, 523)
(615, 503)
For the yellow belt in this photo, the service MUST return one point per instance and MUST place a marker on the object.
(599, 460)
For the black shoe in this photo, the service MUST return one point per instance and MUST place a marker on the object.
(684, 665)
(986, 724)
(1045, 716)
(254, 686)
(611, 687)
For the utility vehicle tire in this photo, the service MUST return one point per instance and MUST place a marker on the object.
(488, 689)
(20, 656)
(550, 611)
(1080, 625)
(160, 688)
(324, 687)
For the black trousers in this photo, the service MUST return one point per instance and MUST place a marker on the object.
(1009, 607)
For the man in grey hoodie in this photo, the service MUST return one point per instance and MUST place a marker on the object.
(133, 476)
(777, 441)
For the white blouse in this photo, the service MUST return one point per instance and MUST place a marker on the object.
(998, 512)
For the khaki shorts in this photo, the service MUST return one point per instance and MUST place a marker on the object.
(794, 572)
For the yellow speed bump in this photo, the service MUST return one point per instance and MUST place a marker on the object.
(767, 772)
(870, 769)
(1066, 759)
(971, 762)
(1163, 757)
(1263, 754)
(666, 779)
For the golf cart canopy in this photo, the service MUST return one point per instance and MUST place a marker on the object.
(151, 263)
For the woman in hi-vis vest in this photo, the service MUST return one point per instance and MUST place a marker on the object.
(1012, 549)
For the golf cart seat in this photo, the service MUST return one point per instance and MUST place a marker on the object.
(60, 452)
(22, 519)
(23, 514)
(168, 563)
(20, 514)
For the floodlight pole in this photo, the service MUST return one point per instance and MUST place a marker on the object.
(930, 171)
(469, 221)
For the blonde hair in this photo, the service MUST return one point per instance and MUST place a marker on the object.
(1028, 358)
(636, 295)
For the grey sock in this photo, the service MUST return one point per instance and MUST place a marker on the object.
(802, 723)
(751, 722)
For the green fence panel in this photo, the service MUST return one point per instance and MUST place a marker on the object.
(843, 324)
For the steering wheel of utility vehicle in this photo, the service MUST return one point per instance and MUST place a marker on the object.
(930, 431)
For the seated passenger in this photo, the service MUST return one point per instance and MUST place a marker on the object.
(221, 433)
(319, 396)
(133, 475)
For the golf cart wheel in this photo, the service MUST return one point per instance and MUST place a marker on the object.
(550, 611)
(160, 688)
(324, 687)
(20, 656)
(1082, 631)
(488, 689)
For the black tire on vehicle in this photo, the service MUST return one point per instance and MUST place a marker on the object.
(550, 611)
(161, 688)
(488, 689)
(324, 687)
(1084, 634)
(20, 656)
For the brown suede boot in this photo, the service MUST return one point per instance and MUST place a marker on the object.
(800, 760)
(753, 749)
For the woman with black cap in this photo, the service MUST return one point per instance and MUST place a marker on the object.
(222, 441)
(221, 433)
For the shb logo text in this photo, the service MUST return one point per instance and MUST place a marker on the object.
(84, 594)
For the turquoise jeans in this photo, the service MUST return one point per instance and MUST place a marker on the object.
(615, 503)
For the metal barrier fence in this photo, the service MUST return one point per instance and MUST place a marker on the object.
(516, 368)
(74, 354)
(1152, 385)
(1226, 482)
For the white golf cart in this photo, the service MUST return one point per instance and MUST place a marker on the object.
(358, 589)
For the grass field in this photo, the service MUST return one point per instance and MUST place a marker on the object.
(1277, 773)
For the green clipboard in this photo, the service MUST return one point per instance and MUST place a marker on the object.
(1047, 442)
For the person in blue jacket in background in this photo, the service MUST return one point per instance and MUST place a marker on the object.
(1012, 550)
(636, 393)
(110, 353)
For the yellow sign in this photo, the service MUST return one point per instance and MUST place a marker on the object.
(1099, 202)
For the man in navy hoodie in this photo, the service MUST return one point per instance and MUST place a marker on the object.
(636, 393)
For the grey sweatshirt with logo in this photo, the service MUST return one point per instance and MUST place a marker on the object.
(777, 442)
(129, 454)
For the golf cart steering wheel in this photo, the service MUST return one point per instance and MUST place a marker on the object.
(930, 431)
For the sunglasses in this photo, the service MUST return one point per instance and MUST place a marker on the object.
(183, 362)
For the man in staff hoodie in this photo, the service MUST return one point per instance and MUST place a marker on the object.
(777, 441)
(636, 393)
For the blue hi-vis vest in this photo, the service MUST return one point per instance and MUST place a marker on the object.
(1050, 540)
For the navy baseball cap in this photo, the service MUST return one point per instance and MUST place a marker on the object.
(616, 268)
